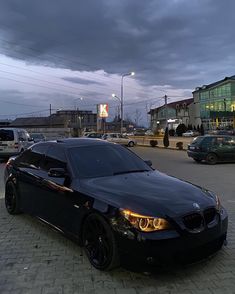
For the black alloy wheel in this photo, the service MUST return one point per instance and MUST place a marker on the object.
(211, 158)
(99, 243)
(131, 144)
(11, 199)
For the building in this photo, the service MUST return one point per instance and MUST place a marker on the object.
(5, 123)
(63, 123)
(175, 113)
(215, 104)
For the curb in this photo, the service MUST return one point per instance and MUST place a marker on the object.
(161, 147)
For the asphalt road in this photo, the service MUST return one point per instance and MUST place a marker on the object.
(219, 178)
(36, 260)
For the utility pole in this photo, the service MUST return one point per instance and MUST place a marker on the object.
(50, 115)
(166, 109)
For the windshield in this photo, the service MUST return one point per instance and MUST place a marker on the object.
(37, 136)
(197, 140)
(6, 135)
(105, 160)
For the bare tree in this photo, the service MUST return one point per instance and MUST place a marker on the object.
(138, 117)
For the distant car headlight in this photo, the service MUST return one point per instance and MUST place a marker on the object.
(145, 223)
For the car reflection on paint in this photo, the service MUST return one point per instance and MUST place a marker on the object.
(114, 203)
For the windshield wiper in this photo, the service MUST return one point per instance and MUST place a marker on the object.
(131, 171)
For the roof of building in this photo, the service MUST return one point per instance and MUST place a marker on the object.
(37, 121)
(173, 104)
(205, 87)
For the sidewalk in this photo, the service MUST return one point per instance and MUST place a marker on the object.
(144, 141)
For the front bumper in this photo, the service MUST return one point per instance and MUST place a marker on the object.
(172, 247)
(196, 155)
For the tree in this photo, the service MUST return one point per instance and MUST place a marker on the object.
(138, 117)
(166, 138)
(181, 129)
(198, 128)
(202, 130)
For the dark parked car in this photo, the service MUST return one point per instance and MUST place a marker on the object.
(93, 135)
(212, 149)
(38, 137)
(114, 203)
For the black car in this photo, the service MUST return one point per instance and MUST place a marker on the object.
(212, 149)
(114, 203)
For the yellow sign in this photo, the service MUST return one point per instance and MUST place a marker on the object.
(103, 110)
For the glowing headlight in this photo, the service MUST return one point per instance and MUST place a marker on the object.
(145, 223)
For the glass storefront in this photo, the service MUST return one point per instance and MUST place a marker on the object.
(217, 107)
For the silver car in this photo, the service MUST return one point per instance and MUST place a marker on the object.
(120, 139)
(13, 141)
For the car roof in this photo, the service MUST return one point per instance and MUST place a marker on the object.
(218, 135)
(77, 142)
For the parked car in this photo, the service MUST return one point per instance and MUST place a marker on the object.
(120, 139)
(190, 133)
(212, 149)
(149, 133)
(13, 141)
(114, 203)
(38, 137)
(93, 135)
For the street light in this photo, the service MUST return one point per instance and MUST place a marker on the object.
(115, 96)
(80, 98)
(121, 100)
(77, 118)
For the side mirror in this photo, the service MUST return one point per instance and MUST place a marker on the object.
(148, 162)
(57, 172)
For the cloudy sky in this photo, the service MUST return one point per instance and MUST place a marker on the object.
(57, 51)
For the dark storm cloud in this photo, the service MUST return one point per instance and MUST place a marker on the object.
(178, 42)
(81, 81)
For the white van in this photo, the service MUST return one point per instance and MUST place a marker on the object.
(13, 141)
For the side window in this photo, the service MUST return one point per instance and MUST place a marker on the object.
(228, 141)
(32, 157)
(222, 141)
(20, 135)
(55, 158)
(208, 141)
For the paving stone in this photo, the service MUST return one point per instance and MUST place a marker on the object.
(36, 260)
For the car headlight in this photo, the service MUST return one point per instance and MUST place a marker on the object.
(218, 204)
(145, 223)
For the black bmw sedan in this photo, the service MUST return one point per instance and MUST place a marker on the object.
(114, 203)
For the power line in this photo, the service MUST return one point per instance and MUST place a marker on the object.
(102, 78)
(21, 104)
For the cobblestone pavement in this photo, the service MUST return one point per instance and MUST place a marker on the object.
(35, 259)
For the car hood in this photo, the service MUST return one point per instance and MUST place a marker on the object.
(149, 193)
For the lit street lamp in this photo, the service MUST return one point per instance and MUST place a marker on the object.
(121, 100)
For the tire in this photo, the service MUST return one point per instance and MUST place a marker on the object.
(99, 243)
(131, 144)
(12, 202)
(197, 160)
(211, 158)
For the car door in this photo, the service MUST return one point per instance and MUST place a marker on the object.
(28, 176)
(62, 201)
(226, 148)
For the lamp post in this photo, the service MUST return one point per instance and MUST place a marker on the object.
(115, 96)
(121, 100)
(76, 117)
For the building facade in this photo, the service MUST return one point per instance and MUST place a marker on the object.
(63, 123)
(174, 114)
(216, 104)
